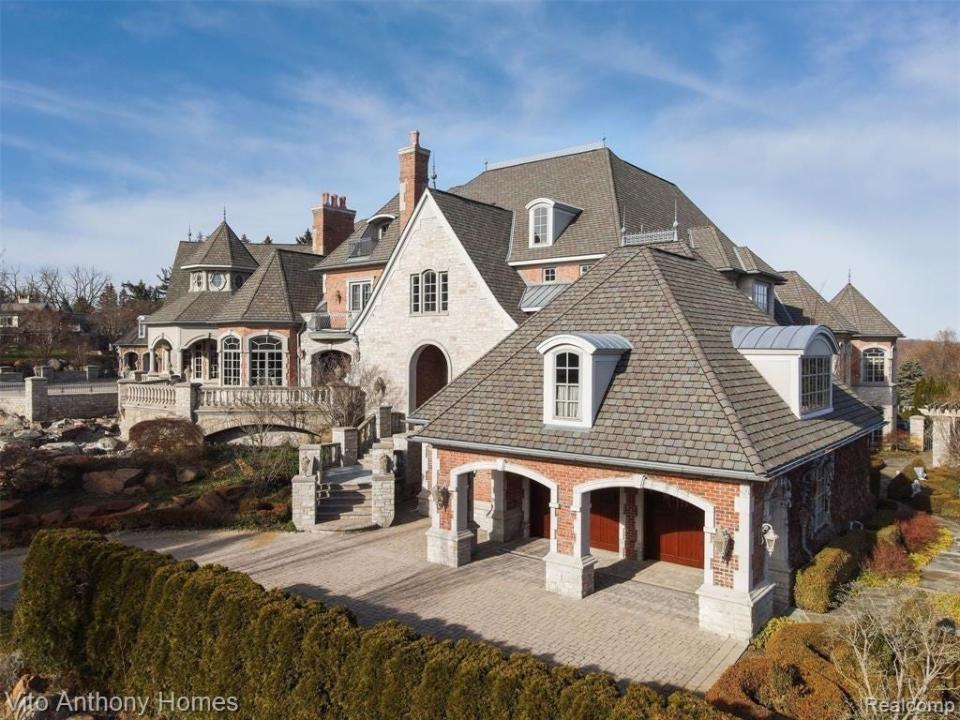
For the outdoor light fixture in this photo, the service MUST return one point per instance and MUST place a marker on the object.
(441, 497)
(722, 543)
(768, 537)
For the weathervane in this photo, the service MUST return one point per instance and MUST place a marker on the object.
(434, 176)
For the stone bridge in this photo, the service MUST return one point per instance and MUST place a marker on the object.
(282, 413)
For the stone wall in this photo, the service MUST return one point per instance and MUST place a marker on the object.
(473, 324)
(37, 404)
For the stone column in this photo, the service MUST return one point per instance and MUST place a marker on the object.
(35, 402)
(498, 501)
(945, 427)
(92, 371)
(185, 398)
(347, 438)
(572, 575)
(449, 541)
(385, 422)
(917, 431)
(383, 488)
(303, 501)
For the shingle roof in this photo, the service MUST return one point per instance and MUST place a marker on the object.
(863, 315)
(722, 254)
(773, 337)
(131, 338)
(484, 231)
(223, 249)
(800, 304)
(683, 396)
(280, 289)
(381, 249)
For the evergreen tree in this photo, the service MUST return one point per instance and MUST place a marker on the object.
(908, 376)
(306, 238)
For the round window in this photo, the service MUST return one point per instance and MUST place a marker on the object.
(217, 281)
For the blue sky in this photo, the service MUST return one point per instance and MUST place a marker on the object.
(826, 137)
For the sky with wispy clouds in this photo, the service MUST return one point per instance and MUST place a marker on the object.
(824, 136)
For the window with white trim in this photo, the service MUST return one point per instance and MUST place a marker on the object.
(429, 279)
(414, 293)
(549, 274)
(761, 295)
(822, 479)
(584, 269)
(444, 292)
(566, 384)
(359, 293)
(231, 361)
(816, 383)
(429, 292)
(266, 361)
(540, 225)
(874, 366)
(213, 363)
(196, 361)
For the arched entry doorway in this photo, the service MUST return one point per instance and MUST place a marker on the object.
(429, 373)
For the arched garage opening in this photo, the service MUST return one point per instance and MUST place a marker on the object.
(429, 373)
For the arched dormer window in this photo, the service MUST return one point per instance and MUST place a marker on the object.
(874, 366)
(429, 292)
(577, 371)
(547, 220)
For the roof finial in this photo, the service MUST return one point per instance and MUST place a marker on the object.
(676, 223)
(849, 275)
(189, 233)
(603, 141)
(484, 164)
(433, 177)
(224, 213)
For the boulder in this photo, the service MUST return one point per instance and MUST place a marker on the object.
(210, 502)
(157, 480)
(108, 444)
(54, 518)
(27, 435)
(10, 507)
(231, 493)
(91, 448)
(114, 506)
(20, 522)
(73, 431)
(82, 512)
(61, 448)
(111, 482)
(135, 491)
(180, 501)
(189, 473)
(136, 509)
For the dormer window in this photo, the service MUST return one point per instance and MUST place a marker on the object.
(382, 230)
(547, 220)
(141, 327)
(196, 281)
(796, 361)
(577, 371)
(761, 296)
(549, 274)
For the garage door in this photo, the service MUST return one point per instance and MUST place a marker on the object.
(673, 530)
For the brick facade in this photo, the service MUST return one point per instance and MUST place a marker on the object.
(337, 291)
(566, 272)
(332, 223)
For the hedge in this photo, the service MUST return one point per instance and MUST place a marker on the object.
(818, 583)
(134, 622)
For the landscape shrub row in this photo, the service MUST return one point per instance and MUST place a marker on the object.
(819, 582)
(131, 621)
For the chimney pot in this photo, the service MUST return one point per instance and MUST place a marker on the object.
(415, 138)
(326, 198)
(343, 201)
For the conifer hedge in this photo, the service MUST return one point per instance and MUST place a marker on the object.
(135, 622)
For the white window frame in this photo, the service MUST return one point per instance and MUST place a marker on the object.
(585, 268)
(546, 237)
(817, 383)
(364, 295)
(232, 359)
(198, 286)
(767, 291)
(430, 292)
(550, 274)
(869, 377)
(416, 300)
(821, 478)
(567, 391)
(267, 364)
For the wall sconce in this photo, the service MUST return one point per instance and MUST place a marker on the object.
(440, 496)
(768, 537)
(722, 543)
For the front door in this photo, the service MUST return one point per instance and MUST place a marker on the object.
(539, 510)
(605, 519)
(673, 530)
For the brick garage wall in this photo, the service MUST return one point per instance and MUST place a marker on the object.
(720, 493)
(850, 498)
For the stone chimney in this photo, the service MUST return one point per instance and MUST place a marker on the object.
(413, 176)
(332, 223)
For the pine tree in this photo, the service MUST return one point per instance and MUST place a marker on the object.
(908, 376)
(306, 238)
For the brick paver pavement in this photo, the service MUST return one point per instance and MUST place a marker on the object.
(631, 630)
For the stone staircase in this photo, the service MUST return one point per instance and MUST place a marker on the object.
(344, 497)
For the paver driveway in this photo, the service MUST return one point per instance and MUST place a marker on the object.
(631, 630)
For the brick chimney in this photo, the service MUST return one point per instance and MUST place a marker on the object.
(332, 223)
(414, 175)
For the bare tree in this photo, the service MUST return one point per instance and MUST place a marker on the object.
(267, 412)
(44, 330)
(84, 284)
(897, 657)
(354, 391)
(47, 285)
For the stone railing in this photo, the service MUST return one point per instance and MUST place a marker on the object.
(242, 398)
(148, 395)
(366, 434)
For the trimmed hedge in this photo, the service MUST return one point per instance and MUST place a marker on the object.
(134, 622)
(818, 583)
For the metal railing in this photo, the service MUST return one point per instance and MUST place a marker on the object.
(150, 395)
(11, 389)
(243, 397)
(336, 320)
(106, 385)
(650, 237)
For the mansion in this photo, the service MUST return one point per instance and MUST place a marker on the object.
(581, 355)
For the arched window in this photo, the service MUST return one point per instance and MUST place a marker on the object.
(567, 386)
(266, 361)
(540, 225)
(231, 361)
(429, 291)
(874, 365)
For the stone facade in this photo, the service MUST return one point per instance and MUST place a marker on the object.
(881, 395)
(38, 405)
(473, 324)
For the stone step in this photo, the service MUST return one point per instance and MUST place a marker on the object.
(344, 525)
(341, 505)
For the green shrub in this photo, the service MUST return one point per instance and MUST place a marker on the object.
(592, 697)
(889, 534)
(759, 640)
(134, 622)
(818, 582)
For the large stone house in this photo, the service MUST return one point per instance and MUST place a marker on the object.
(652, 411)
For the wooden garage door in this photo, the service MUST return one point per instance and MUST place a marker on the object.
(605, 519)
(539, 510)
(673, 530)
